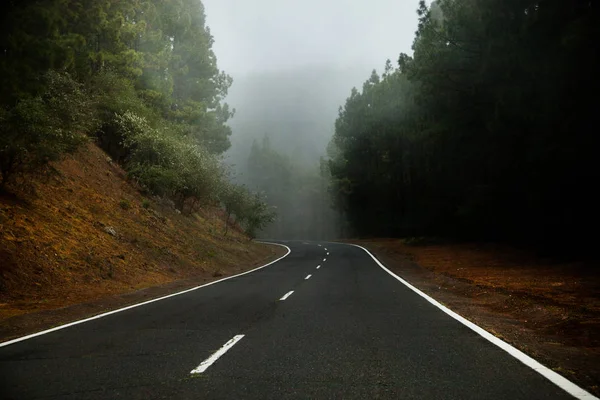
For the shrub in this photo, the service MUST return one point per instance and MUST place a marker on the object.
(167, 164)
(40, 129)
(250, 209)
(257, 215)
(172, 165)
(234, 199)
(114, 95)
(125, 204)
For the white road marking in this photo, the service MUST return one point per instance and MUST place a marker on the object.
(547, 373)
(318, 266)
(288, 294)
(308, 277)
(319, 245)
(81, 321)
(324, 259)
(210, 360)
(327, 253)
(325, 248)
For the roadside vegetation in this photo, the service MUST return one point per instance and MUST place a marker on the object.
(137, 77)
(112, 130)
(86, 233)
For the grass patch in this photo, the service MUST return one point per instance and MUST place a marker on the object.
(125, 204)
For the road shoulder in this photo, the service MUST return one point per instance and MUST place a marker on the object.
(29, 323)
(532, 323)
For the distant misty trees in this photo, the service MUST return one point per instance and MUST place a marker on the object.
(488, 131)
(284, 122)
(298, 193)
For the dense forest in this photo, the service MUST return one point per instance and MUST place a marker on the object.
(485, 132)
(137, 76)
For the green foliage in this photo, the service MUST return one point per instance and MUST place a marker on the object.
(41, 129)
(148, 87)
(145, 204)
(125, 204)
(485, 132)
(250, 210)
(166, 164)
(258, 214)
(153, 58)
(233, 199)
(115, 94)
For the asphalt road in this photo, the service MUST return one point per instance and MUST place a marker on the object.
(349, 331)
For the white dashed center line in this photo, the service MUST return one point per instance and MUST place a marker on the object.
(308, 276)
(288, 294)
(318, 266)
(210, 360)
(324, 259)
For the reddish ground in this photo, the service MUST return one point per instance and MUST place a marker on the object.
(548, 309)
(56, 249)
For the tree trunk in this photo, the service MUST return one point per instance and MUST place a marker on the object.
(227, 223)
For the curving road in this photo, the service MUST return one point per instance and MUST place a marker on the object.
(325, 322)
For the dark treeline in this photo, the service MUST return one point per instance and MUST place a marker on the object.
(487, 132)
(139, 77)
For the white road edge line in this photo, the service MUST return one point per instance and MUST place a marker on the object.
(318, 266)
(307, 276)
(288, 294)
(210, 360)
(81, 321)
(546, 372)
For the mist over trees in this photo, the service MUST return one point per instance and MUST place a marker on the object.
(298, 193)
(138, 76)
(296, 108)
(486, 132)
(283, 122)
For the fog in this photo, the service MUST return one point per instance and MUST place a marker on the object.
(294, 64)
(271, 35)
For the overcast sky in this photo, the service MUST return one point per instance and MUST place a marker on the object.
(259, 35)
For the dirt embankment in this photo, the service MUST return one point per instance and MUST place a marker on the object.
(548, 309)
(85, 234)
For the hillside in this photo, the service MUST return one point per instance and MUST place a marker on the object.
(82, 232)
